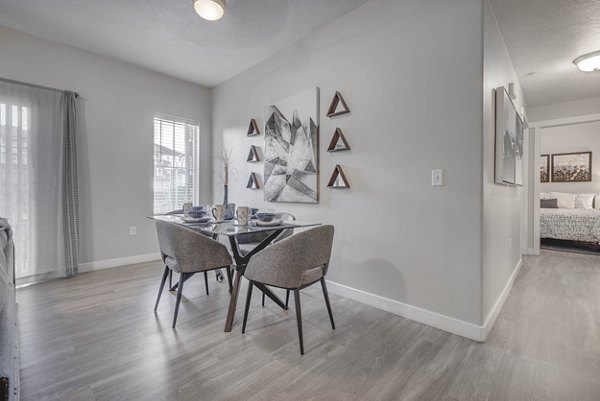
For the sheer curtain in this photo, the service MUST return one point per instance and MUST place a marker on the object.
(34, 123)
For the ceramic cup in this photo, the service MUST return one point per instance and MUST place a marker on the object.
(186, 208)
(219, 212)
(243, 214)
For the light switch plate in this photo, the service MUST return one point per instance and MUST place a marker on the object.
(132, 230)
(437, 178)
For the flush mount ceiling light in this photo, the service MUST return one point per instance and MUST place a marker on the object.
(588, 62)
(211, 10)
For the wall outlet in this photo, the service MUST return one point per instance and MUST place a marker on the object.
(437, 178)
(510, 243)
(132, 230)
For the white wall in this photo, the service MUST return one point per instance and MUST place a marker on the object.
(117, 105)
(582, 137)
(411, 74)
(502, 205)
(573, 108)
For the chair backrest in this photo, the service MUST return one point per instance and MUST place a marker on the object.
(284, 263)
(191, 250)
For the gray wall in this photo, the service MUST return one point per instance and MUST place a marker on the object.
(118, 102)
(582, 137)
(411, 74)
(502, 205)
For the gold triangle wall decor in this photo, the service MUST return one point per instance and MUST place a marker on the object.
(253, 182)
(338, 142)
(338, 178)
(253, 155)
(253, 128)
(338, 106)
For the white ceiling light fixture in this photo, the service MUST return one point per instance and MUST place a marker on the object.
(588, 62)
(211, 10)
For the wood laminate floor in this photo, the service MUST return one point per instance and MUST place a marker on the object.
(95, 337)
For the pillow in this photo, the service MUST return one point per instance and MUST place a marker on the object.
(584, 201)
(546, 195)
(597, 202)
(565, 201)
(549, 203)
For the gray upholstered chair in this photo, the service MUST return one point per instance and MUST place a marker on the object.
(187, 252)
(293, 264)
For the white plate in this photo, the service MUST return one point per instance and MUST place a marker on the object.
(271, 223)
(196, 220)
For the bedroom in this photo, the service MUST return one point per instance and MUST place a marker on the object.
(570, 185)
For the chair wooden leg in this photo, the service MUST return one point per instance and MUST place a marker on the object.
(206, 282)
(162, 286)
(229, 278)
(299, 319)
(326, 295)
(263, 299)
(287, 299)
(248, 298)
(179, 292)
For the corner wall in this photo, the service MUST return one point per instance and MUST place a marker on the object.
(117, 105)
(502, 205)
(411, 73)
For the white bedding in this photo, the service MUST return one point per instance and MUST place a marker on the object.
(570, 224)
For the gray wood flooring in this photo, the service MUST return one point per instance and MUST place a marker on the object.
(95, 337)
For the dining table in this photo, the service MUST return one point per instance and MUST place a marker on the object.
(233, 231)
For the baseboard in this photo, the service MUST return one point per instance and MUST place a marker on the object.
(493, 315)
(110, 263)
(430, 318)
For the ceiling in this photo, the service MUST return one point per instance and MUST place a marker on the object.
(167, 36)
(544, 37)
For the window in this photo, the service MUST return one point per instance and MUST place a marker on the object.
(175, 163)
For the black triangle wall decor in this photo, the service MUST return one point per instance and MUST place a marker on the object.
(253, 182)
(338, 179)
(253, 155)
(338, 106)
(253, 128)
(338, 142)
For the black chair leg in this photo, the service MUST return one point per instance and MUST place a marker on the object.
(299, 319)
(248, 298)
(206, 282)
(229, 278)
(326, 295)
(179, 292)
(263, 299)
(162, 286)
(287, 299)
(170, 278)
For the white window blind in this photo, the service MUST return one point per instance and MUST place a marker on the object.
(175, 163)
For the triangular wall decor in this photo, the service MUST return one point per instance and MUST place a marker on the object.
(253, 155)
(338, 142)
(253, 182)
(253, 128)
(338, 106)
(338, 178)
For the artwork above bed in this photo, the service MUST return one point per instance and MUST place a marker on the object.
(572, 167)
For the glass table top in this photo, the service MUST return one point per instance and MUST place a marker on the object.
(231, 228)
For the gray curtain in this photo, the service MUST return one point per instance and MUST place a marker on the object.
(70, 198)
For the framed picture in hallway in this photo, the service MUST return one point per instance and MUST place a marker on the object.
(509, 141)
(544, 168)
(572, 167)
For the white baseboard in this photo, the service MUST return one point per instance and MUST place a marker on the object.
(493, 315)
(430, 318)
(446, 323)
(110, 263)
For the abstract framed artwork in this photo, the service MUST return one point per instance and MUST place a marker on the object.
(544, 168)
(572, 167)
(509, 141)
(291, 170)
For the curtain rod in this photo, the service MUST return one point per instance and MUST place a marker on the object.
(11, 81)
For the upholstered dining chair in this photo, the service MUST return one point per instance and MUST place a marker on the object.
(293, 264)
(187, 252)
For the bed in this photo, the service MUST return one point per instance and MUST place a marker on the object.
(582, 225)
